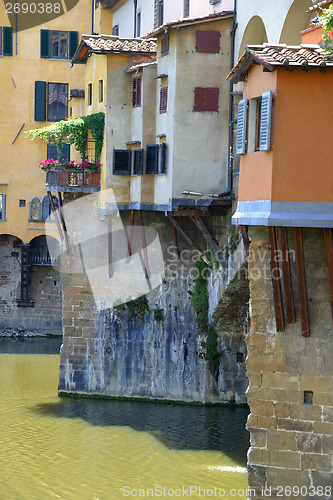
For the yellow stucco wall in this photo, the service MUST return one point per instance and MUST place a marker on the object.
(19, 173)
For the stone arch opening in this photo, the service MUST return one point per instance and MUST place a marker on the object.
(254, 34)
(44, 251)
(296, 20)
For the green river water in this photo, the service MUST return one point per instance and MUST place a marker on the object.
(89, 449)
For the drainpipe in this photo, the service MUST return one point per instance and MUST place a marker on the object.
(92, 16)
(231, 107)
(135, 10)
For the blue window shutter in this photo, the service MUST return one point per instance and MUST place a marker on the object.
(7, 33)
(45, 208)
(52, 151)
(241, 127)
(265, 121)
(73, 42)
(40, 101)
(45, 43)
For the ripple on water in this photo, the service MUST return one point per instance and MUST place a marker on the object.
(90, 449)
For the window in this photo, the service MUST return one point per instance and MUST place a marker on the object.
(138, 23)
(46, 207)
(165, 46)
(259, 117)
(208, 41)
(136, 91)
(58, 44)
(57, 101)
(186, 8)
(206, 99)
(163, 99)
(2, 206)
(89, 94)
(6, 41)
(101, 91)
(158, 13)
(115, 30)
(52, 151)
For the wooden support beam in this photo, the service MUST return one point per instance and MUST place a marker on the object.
(275, 271)
(287, 275)
(129, 247)
(218, 211)
(245, 238)
(62, 220)
(110, 269)
(303, 299)
(144, 245)
(56, 216)
(175, 241)
(328, 235)
(207, 235)
(189, 240)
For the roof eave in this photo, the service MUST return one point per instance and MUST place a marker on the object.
(238, 73)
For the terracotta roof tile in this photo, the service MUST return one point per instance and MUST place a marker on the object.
(108, 44)
(188, 20)
(272, 56)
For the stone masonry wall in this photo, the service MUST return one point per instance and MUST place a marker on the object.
(113, 353)
(291, 440)
(45, 290)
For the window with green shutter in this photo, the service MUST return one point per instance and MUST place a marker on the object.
(40, 101)
(57, 44)
(152, 159)
(137, 162)
(121, 162)
(45, 43)
(162, 159)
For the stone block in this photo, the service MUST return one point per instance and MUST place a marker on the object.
(323, 428)
(281, 440)
(280, 381)
(281, 409)
(258, 456)
(262, 408)
(316, 462)
(305, 411)
(316, 384)
(327, 444)
(294, 425)
(257, 341)
(258, 438)
(283, 476)
(328, 413)
(256, 475)
(267, 422)
(286, 459)
(309, 442)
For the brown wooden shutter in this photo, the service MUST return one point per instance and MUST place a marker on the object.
(163, 99)
(208, 41)
(212, 99)
(136, 91)
(165, 46)
(199, 99)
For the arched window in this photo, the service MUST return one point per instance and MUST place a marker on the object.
(2, 206)
(35, 209)
(46, 208)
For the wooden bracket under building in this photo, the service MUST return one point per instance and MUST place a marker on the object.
(61, 226)
(208, 236)
(275, 271)
(287, 275)
(328, 235)
(188, 239)
(303, 299)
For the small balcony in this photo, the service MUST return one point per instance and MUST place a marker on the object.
(73, 180)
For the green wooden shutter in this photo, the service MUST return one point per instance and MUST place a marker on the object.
(52, 151)
(73, 42)
(7, 33)
(45, 43)
(40, 101)
(121, 162)
(152, 159)
(265, 121)
(162, 161)
(45, 208)
(241, 127)
(66, 151)
(137, 160)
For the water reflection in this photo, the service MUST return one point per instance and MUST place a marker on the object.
(185, 427)
(36, 345)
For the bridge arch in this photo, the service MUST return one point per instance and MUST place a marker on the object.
(296, 21)
(254, 34)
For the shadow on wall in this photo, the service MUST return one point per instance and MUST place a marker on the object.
(183, 427)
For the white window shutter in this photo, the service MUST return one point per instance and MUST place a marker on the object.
(265, 121)
(241, 127)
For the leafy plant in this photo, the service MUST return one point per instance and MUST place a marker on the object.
(138, 307)
(211, 345)
(158, 314)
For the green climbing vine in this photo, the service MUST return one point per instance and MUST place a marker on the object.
(200, 304)
(327, 23)
(158, 314)
(74, 131)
